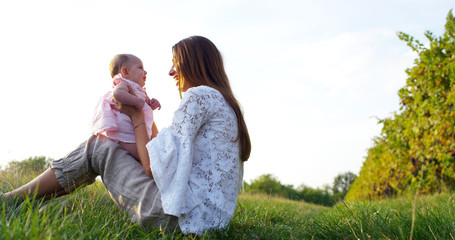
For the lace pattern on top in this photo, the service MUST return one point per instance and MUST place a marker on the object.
(195, 161)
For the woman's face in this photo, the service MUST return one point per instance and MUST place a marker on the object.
(173, 73)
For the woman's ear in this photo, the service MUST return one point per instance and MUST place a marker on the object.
(124, 72)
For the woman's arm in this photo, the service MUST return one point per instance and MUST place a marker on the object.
(154, 131)
(140, 134)
(142, 138)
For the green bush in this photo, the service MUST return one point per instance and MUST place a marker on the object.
(416, 148)
(38, 164)
(328, 196)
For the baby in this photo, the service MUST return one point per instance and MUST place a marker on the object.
(127, 72)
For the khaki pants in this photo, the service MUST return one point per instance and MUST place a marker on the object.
(124, 178)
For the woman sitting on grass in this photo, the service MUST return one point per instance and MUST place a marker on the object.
(193, 168)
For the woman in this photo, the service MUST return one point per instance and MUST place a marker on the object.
(193, 168)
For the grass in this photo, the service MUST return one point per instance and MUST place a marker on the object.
(90, 214)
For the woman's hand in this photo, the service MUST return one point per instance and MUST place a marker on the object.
(126, 109)
(148, 171)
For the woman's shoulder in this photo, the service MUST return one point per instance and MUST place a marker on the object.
(204, 90)
(204, 96)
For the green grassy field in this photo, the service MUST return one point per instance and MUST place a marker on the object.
(90, 214)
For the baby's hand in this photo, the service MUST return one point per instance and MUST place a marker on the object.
(154, 104)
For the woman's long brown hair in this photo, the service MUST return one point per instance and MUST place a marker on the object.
(197, 61)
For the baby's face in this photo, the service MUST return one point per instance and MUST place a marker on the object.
(136, 72)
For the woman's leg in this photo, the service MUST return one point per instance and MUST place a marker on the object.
(124, 178)
(44, 185)
(72, 170)
(128, 184)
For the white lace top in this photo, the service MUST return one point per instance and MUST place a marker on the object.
(195, 162)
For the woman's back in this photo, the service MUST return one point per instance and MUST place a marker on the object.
(196, 163)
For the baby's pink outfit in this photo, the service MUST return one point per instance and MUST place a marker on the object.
(115, 125)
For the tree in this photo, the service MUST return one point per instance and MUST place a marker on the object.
(315, 195)
(268, 184)
(342, 182)
(416, 148)
(37, 163)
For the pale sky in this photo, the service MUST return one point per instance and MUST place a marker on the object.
(312, 76)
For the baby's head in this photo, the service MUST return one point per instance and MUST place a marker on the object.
(130, 67)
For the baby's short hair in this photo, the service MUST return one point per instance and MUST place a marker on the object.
(117, 62)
